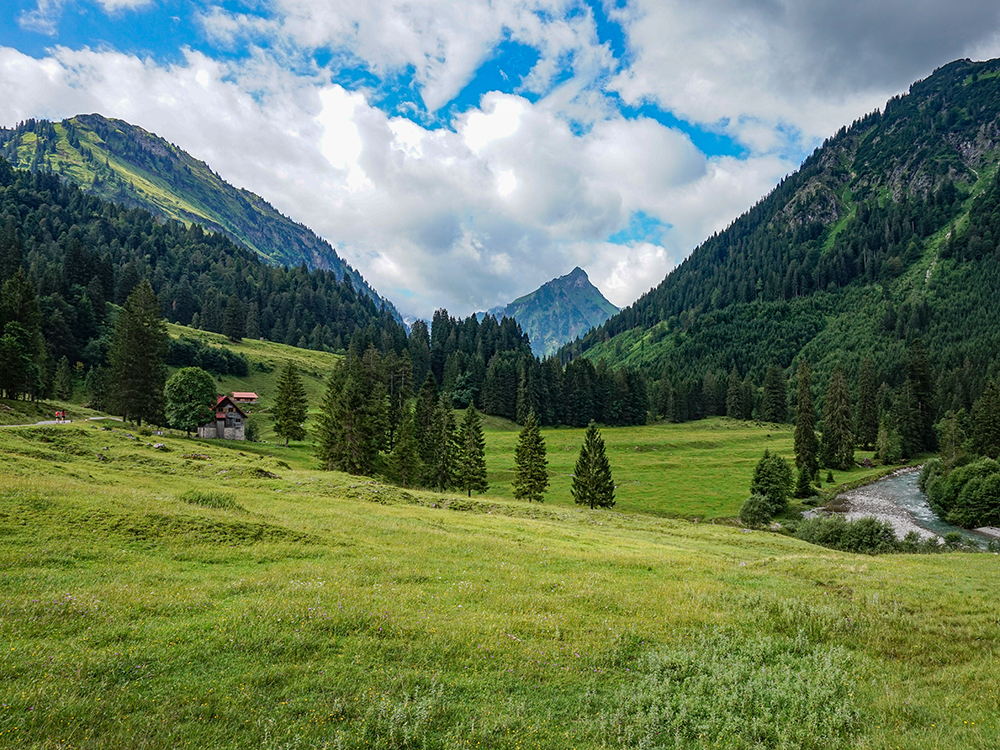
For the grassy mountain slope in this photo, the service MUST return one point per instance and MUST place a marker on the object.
(851, 256)
(125, 164)
(151, 598)
(558, 311)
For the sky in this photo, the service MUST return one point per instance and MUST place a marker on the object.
(460, 153)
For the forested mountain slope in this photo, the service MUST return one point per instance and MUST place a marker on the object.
(887, 233)
(78, 253)
(125, 164)
(558, 311)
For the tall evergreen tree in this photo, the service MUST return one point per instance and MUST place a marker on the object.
(290, 405)
(352, 426)
(470, 469)
(866, 412)
(775, 402)
(63, 384)
(531, 478)
(838, 435)
(136, 355)
(404, 460)
(985, 427)
(592, 482)
(444, 464)
(234, 323)
(734, 396)
(806, 444)
(918, 372)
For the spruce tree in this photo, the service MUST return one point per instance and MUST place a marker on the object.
(352, 426)
(470, 469)
(234, 323)
(592, 482)
(734, 396)
(531, 478)
(443, 466)
(136, 354)
(404, 460)
(774, 405)
(806, 444)
(838, 435)
(63, 384)
(290, 405)
(866, 412)
(772, 478)
(985, 427)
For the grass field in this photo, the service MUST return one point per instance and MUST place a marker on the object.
(227, 595)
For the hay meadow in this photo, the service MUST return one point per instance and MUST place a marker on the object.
(208, 594)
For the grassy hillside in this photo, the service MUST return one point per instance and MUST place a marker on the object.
(123, 163)
(224, 595)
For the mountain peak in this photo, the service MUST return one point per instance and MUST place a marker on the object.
(559, 311)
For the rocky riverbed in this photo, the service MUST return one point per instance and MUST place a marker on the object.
(869, 501)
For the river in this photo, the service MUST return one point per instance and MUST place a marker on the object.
(897, 500)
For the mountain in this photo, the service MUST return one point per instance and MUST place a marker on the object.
(558, 311)
(887, 233)
(125, 164)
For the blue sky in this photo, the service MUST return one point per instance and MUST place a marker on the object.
(460, 153)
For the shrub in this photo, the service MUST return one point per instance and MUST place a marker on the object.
(932, 469)
(944, 493)
(867, 536)
(756, 511)
(772, 478)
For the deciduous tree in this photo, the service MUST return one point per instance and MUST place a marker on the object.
(190, 398)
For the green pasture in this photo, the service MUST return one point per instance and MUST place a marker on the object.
(216, 595)
(696, 470)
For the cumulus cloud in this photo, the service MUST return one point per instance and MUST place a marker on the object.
(809, 66)
(521, 187)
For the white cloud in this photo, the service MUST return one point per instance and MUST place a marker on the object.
(780, 75)
(465, 218)
(110, 6)
(44, 19)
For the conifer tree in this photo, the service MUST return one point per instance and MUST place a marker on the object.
(838, 435)
(774, 405)
(352, 424)
(806, 444)
(866, 412)
(63, 385)
(985, 428)
(442, 468)
(404, 460)
(772, 479)
(592, 482)
(734, 396)
(470, 469)
(531, 478)
(290, 405)
(136, 353)
(235, 320)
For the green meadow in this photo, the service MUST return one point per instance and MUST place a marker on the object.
(212, 594)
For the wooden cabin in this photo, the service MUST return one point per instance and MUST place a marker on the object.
(229, 423)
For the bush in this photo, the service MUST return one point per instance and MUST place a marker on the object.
(756, 511)
(772, 478)
(933, 468)
(974, 508)
(867, 536)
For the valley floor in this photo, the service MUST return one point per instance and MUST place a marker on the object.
(221, 595)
